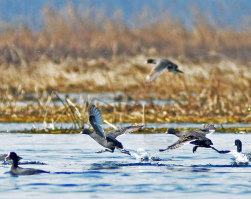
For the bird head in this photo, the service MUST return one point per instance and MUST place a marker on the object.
(12, 156)
(85, 131)
(171, 131)
(238, 144)
(176, 70)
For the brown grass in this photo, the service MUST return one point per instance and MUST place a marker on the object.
(76, 52)
(74, 34)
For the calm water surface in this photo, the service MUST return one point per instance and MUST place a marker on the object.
(78, 172)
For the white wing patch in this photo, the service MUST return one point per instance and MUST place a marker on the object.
(156, 71)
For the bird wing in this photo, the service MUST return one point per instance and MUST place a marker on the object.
(156, 71)
(128, 129)
(183, 140)
(208, 129)
(95, 119)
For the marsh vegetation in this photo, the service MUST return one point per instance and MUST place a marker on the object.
(77, 52)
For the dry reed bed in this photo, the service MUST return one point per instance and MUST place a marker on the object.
(219, 92)
(72, 33)
(76, 52)
(135, 113)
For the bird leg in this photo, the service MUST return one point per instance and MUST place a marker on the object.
(195, 148)
(124, 151)
(106, 150)
(161, 150)
(226, 151)
(222, 152)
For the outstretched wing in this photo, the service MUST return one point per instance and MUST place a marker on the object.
(177, 145)
(156, 71)
(128, 129)
(95, 119)
(208, 129)
(182, 141)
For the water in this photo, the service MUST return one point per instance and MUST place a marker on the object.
(77, 171)
(22, 126)
(111, 98)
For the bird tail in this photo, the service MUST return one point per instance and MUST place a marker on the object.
(150, 61)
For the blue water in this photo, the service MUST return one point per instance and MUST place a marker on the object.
(78, 172)
(23, 126)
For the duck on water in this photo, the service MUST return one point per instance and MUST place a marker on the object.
(106, 139)
(240, 157)
(160, 65)
(195, 137)
(16, 170)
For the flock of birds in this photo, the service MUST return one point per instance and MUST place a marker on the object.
(110, 143)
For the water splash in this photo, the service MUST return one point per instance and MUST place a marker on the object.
(143, 156)
(240, 158)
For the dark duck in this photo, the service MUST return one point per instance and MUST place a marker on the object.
(16, 170)
(106, 139)
(195, 137)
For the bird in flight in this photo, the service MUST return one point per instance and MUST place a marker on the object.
(106, 139)
(195, 137)
(160, 65)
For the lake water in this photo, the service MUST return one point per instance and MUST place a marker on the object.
(23, 126)
(111, 98)
(78, 172)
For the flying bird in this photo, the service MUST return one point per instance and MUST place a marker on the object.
(160, 66)
(195, 137)
(106, 139)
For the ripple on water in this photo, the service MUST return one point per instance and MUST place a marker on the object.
(176, 173)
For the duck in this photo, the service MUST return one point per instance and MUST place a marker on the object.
(239, 155)
(16, 170)
(196, 137)
(106, 139)
(160, 65)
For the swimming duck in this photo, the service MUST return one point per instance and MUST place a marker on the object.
(16, 170)
(240, 156)
(196, 137)
(160, 66)
(106, 139)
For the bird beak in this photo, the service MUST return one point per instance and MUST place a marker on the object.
(178, 71)
(6, 158)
